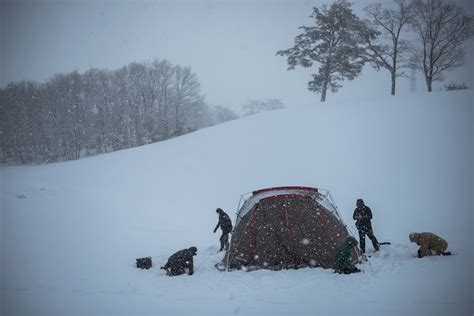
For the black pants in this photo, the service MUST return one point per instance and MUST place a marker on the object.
(367, 231)
(175, 271)
(347, 270)
(224, 241)
(180, 269)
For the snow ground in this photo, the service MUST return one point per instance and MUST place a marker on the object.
(71, 231)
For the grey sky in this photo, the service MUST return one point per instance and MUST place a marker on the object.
(230, 45)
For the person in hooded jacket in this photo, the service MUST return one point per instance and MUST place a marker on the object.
(181, 262)
(430, 244)
(226, 225)
(363, 215)
(343, 262)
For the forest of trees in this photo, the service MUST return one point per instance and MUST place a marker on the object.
(424, 35)
(75, 115)
(256, 106)
(78, 115)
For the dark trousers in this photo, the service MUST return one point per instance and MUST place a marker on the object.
(367, 231)
(175, 271)
(180, 269)
(224, 241)
(347, 270)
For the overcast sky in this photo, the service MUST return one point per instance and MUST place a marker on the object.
(230, 45)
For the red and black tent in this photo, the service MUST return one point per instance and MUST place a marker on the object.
(286, 227)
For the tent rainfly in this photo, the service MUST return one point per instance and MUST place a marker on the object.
(286, 227)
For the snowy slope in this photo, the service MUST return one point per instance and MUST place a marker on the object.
(71, 231)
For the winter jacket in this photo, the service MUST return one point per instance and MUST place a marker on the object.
(180, 261)
(429, 243)
(343, 262)
(363, 215)
(224, 222)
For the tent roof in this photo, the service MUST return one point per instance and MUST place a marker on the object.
(320, 195)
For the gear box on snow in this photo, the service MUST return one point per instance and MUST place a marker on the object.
(144, 263)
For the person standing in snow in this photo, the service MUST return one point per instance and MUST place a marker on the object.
(430, 244)
(181, 262)
(362, 215)
(226, 225)
(343, 263)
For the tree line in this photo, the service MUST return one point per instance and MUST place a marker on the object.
(341, 43)
(77, 115)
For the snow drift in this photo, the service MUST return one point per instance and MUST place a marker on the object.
(71, 231)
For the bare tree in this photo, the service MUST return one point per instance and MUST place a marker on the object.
(442, 27)
(164, 71)
(385, 47)
(256, 106)
(221, 114)
(186, 89)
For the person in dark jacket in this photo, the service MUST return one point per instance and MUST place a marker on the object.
(363, 215)
(181, 262)
(343, 262)
(226, 225)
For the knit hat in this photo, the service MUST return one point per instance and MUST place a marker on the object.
(193, 250)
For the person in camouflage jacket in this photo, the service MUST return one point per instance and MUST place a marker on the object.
(430, 244)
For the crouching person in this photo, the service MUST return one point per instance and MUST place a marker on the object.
(181, 262)
(430, 244)
(343, 262)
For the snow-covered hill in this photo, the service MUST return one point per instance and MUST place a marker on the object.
(71, 231)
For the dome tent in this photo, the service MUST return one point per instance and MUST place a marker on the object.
(286, 227)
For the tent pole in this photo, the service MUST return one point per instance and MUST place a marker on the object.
(340, 217)
(235, 223)
(232, 236)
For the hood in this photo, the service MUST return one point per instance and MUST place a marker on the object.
(351, 241)
(193, 250)
(414, 237)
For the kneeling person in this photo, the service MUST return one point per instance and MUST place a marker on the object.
(430, 244)
(343, 259)
(181, 262)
